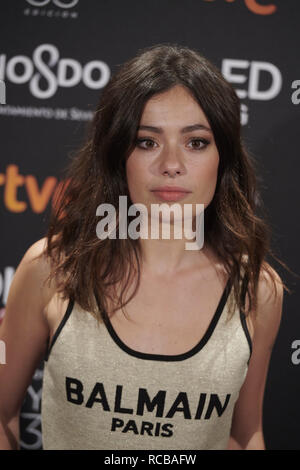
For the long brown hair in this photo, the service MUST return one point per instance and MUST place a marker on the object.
(83, 264)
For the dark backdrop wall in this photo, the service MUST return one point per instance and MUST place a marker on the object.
(56, 56)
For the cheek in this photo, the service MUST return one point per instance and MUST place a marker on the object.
(136, 177)
(212, 169)
(133, 170)
(207, 176)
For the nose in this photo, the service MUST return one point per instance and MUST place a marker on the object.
(171, 162)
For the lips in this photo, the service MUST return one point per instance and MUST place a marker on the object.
(170, 193)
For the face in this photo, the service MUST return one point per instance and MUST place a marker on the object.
(175, 147)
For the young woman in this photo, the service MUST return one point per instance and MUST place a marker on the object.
(149, 345)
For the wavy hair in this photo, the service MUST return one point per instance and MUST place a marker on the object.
(87, 268)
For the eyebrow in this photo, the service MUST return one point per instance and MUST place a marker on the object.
(191, 128)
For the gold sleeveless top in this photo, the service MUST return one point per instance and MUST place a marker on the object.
(100, 394)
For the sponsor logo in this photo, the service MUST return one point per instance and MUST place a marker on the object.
(37, 197)
(255, 6)
(31, 438)
(58, 3)
(53, 70)
(246, 76)
(46, 112)
(2, 92)
(51, 8)
(5, 282)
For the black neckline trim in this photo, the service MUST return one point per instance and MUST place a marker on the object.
(59, 328)
(176, 357)
(246, 331)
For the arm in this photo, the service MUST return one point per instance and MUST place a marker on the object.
(247, 424)
(24, 330)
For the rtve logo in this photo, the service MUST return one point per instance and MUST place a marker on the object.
(37, 198)
(256, 7)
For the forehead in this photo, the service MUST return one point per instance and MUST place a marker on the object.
(174, 105)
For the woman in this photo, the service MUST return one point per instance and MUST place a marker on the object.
(149, 345)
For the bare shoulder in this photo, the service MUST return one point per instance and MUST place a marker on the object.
(31, 275)
(37, 247)
(34, 254)
(270, 284)
(247, 424)
(270, 291)
(267, 317)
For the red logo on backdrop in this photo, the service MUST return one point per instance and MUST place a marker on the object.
(259, 9)
(256, 7)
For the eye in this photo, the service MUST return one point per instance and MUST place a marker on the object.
(148, 143)
(200, 143)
